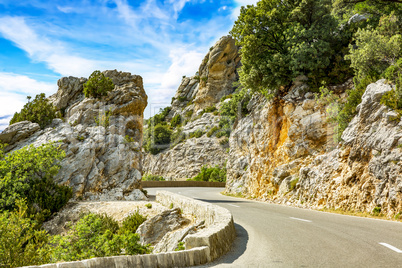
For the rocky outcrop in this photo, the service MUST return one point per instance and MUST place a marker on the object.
(285, 152)
(214, 80)
(154, 229)
(186, 159)
(102, 137)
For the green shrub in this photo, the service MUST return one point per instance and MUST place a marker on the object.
(212, 131)
(29, 173)
(98, 85)
(40, 111)
(180, 246)
(159, 118)
(189, 113)
(182, 98)
(97, 235)
(376, 211)
(150, 177)
(209, 109)
(233, 109)
(132, 222)
(176, 120)
(21, 244)
(149, 205)
(157, 138)
(393, 98)
(128, 139)
(196, 134)
(376, 48)
(214, 174)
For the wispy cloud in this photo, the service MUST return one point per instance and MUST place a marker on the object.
(155, 39)
(14, 89)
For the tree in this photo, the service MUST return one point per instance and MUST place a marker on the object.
(377, 49)
(282, 39)
(37, 111)
(157, 138)
(98, 85)
(29, 173)
(20, 243)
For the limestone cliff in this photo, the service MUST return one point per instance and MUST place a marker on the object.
(102, 137)
(214, 80)
(284, 151)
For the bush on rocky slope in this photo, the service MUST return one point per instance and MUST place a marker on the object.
(37, 111)
(29, 174)
(97, 235)
(98, 85)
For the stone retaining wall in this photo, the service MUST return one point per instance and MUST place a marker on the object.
(202, 247)
(220, 231)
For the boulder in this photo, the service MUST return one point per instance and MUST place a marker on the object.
(153, 230)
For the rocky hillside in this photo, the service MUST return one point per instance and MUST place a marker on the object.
(102, 137)
(196, 102)
(284, 151)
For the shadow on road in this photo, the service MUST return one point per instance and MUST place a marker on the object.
(221, 201)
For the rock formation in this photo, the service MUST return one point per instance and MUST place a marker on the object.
(214, 80)
(102, 137)
(285, 152)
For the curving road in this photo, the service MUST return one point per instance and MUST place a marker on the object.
(271, 235)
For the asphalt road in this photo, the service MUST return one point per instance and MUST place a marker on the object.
(271, 235)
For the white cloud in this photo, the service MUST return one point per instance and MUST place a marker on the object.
(41, 49)
(15, 88)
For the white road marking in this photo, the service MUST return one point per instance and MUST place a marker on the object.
(233, 205)
(391, 247)
(300, 219)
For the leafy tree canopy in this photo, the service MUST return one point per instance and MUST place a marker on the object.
(37, 111)
(98, 85)
(29, 174)
(282, 39)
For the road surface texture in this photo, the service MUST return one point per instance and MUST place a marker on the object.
(270, 235)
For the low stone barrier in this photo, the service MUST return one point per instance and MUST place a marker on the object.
(220, 232)
(150, 184)
(202, 247)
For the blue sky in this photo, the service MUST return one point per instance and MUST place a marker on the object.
(42, 41)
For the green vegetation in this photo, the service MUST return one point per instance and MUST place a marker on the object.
(128, 139)
(20, 243)
(40, 111)
(282, 40)
(216, 174)
(98, 85)
(180, 246)
(29, 174)
(233, 110)
(157, 138)
(103, 119)
(189, 113)
(177, 137)
(176, 120)
(159, 118)
(97, 235)
(149, 205)
(182, 98)
(393, 98)
(212, 131)
(376, 211)
(150, 177)
(196, 134)
(209, 109)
